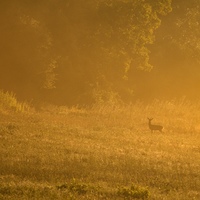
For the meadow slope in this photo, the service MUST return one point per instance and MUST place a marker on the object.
(105, 152)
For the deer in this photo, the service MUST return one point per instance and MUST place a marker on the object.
(154, 127)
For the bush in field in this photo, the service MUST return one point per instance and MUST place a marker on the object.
(8, 102)
(134, 192)
(76, 187)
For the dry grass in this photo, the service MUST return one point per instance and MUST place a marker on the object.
(63, 153)
(9, 103)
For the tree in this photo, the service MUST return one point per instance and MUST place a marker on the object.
(26, 61)
(187, 24)
(109, 38)
(175, 55)
(76, 47)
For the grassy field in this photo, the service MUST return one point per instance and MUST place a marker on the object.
(105, 152)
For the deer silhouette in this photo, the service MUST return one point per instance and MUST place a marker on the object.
(154, 127)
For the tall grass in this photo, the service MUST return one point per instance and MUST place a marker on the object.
(9, 103)
(174, 115)
(103, 152)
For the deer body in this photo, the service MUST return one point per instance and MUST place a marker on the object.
(153, 127)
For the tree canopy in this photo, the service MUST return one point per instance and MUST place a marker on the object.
(71, 52)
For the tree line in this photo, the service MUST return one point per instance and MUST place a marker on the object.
(78, 52)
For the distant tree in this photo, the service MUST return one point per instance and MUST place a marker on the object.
(104, 41)
(187, 26)
(27, 62)
(180, 29)
(175, 54)
(75, 47)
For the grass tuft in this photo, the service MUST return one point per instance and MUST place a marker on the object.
(133, 192)
(9, 103)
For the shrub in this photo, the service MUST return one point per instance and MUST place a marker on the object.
(133, 192)
(76, 187)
